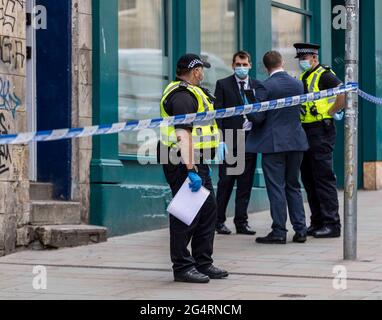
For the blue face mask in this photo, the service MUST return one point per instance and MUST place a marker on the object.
(305, 65)
(242, 72)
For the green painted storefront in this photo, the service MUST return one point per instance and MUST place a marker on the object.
(128, 197)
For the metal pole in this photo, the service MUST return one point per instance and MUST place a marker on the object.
(351, 131)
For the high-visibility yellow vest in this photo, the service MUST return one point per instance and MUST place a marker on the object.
(205, 135)
(322, 106)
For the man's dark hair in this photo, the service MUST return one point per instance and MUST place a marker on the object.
(273, 60)
(182, 72)
(242, 55)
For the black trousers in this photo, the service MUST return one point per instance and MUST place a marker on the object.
(282, 173)
(202, 231)
(243, 192)
(318, 176)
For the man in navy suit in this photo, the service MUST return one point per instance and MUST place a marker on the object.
(232, 92)
(279, 136)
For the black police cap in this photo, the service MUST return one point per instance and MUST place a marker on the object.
(306, 48)
(190, 61)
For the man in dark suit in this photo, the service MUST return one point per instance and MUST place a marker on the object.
(279, 136)
(231, 92)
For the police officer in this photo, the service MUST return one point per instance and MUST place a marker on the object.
(194, 145)
(318, 121)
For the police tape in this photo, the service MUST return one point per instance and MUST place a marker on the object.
(369, 97)
(62, 134)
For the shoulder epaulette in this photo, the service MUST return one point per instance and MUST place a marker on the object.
(328, 68)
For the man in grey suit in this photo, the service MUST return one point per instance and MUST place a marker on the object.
(279, 136)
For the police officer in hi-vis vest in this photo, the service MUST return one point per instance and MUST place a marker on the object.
(195, 144)
(318, 120)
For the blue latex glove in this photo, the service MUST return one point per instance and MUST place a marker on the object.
(210, 170)
(339, 116)
(196, 181)
(222, 151)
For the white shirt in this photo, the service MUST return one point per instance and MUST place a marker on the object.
(276, 71)
(247, 126)
(246, 86)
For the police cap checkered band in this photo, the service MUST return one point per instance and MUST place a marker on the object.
(306, 48)
(307, 51)
(195, 62)
(191, 61)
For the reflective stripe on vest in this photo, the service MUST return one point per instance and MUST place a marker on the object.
(323, 106)
(205, 135)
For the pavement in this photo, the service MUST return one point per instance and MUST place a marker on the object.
(138, 266)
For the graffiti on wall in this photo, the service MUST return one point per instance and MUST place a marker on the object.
(13, 61)
(8, 12)
(9, 101)
(5, 156)
(12, 52)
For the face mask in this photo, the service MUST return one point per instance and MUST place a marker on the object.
(305, 65)
(242, 72)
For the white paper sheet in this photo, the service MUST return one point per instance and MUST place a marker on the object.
(186, 204)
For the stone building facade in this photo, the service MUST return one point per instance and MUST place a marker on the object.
(81, 101)
(14, 182)
(32, 215)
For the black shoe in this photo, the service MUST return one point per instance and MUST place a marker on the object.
(214, 273)
(245, 229)
(222, 229)
(327, 232)
(191, 276)
(271, 239)
(299, 238)
(311, 230)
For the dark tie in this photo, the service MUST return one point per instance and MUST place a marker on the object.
(245, 101)
(242, 90)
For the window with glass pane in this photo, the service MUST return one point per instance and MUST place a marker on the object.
(289, 27)
(294, 3)
(218, 38)
(143, 66)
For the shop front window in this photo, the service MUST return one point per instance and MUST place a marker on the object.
(143, 66)
(219, 29)
(290, 24)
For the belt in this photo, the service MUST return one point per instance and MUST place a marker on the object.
(318, 124)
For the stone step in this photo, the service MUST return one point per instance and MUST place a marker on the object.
(65, 236)
(54, 212)
(41, 191)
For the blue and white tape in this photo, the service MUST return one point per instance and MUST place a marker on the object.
(369, 97)
(61, 134)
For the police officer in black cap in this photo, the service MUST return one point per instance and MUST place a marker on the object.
(318, 120)
(195, 144)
